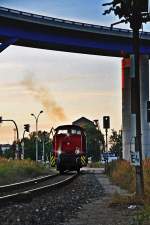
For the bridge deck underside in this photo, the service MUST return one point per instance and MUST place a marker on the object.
(60, 39)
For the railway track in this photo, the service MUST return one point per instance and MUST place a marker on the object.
(25, 191)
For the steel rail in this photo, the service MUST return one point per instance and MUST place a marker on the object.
(14, 186)
(27, 196)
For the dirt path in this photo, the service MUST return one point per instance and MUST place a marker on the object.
(100, 212)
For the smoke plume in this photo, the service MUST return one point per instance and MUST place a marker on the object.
(43, 95)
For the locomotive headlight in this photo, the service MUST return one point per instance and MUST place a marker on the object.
(77, 151)
(59, 152)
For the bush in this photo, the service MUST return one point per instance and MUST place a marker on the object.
(95, 165)
(146, 166)
(123, 174)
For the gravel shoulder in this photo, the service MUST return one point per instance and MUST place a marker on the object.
(100, 212)
(83, 202)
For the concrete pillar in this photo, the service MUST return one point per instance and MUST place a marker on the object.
(126, 108)
(128, 117)
(145, 126)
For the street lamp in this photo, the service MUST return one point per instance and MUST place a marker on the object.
(36, 143)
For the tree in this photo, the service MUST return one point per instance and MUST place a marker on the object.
(116, 143)
(29, 145)
(94, 139)
(44, 139)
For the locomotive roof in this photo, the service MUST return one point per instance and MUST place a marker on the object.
(69, 127)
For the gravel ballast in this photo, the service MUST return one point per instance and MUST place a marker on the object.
(56, 207)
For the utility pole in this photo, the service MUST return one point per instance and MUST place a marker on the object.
(135, 12)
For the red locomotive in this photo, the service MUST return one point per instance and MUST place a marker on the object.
(69, 148)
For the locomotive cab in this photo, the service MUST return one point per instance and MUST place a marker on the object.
(69, 148)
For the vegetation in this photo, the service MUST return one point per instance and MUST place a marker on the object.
(142, 217)
(94, 139)
(17, 170)
(115, 141)
(123, 174)
(29, 146)
(95, 165)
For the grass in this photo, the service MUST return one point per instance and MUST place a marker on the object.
(95, 165)
(123, 175)
(16, 170)
(142, 217)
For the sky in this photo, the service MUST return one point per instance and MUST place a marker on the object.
(64, 85)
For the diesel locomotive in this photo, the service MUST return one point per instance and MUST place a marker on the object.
(69, 148)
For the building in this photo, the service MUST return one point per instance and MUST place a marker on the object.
(82, 122)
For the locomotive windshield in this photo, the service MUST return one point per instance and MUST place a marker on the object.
(69, 131)
(62, 132)
(73, 131)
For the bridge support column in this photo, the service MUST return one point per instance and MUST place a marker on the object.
(128, 116)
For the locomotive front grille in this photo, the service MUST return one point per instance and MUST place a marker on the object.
(68, 159)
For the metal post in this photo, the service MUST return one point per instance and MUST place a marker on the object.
(43, 151)
(106, 146)
(136, 25)
(36, 140)
(50, 159)
(106, 151)
(22, 144)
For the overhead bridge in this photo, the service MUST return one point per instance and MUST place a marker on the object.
(37, 31)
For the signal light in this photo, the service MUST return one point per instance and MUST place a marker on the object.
(106, 122)
(1, 119)
(27, 127)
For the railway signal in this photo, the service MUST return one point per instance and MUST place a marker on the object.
(106, 126)
(27, 127)
(106, 122)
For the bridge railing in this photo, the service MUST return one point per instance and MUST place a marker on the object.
(69, 22)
